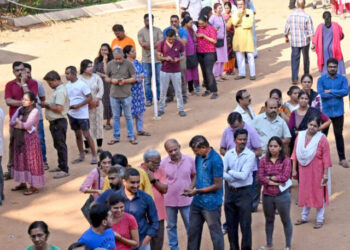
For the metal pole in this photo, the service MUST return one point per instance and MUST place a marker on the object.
(178, 6)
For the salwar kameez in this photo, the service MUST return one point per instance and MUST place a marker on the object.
(138, 97)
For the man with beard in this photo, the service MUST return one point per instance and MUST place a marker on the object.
(238, 174)
(243, 106)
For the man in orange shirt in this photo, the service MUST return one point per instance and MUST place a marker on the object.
(121, 39)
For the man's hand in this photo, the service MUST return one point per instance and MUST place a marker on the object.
(150, 175)
(190, 192)
(313, 47)
(74, 106)
(115, 81)
(295, 174)
(105, 58)
(327, 91)
(146, 241)
(24, 77)
(18, 123)
(287, 40)
(176, 59)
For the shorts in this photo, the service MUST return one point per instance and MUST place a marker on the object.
(78, 124)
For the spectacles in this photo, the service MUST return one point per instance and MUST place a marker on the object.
(247, 97)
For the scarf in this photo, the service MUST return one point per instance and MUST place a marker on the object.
(306, 154)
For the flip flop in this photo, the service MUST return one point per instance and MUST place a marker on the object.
(112, 142)
(19, 187)
(60, 175)
(107, 127)
(78, 160)
(318, 225)
(300, 222)
(93, 161)
(55, 170)
(133, 141)
(143, 133)
(31, 191)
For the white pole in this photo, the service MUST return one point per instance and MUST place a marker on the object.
(154, 86)
(178, 6)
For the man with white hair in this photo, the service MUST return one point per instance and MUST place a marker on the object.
(121, 74)
(151, 163)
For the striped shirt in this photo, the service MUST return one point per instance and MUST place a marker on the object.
(299, 25)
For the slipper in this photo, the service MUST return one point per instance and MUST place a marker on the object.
(133, 141)
(55, 170)
(318, 225)
(78, 160)
(19, 187)
(300, 222)
(112, 142)
(107, 127)
(31, 191)
(94, 161)
(265, 248)
(239, 77)
(143, 133)
(60, 175)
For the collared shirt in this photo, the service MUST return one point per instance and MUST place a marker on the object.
(238, 169)
(253, 142)
(280, 170)
(144, 210)
(299, 25)
(266, 129)
(58, 97)
(207, 169)
(178, 176)
(245, 115)
(174, 52)
(332, 103)
(143, 36)
(182, 32)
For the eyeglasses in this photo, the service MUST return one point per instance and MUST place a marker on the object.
(247, 97)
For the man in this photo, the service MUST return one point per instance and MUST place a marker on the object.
(299, 26)
(121, 74)
(2, 118)
(332, 88)
(40, 99)
(181, 36)
(170, 53)
(141, 206)
(191, 6)
(243, 41)
(14, 91)
(114, 177)
(144, 41)
(180, 172)
(79, 98)
(56, 113)
(99, 235)
(151, 162)
(121, 39)
(244, 100)
(238, 166)
(253, 143)
(207, 201)
(270, 124)
(314, 4)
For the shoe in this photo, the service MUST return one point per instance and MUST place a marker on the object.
(314, 6)
(169, 99)
(133, 141)
(239, 77)
(198, 89)
(184, 100)
(107, 127)
(295, 82)
(219, 79)
(206, 93)
(94, 161)
(148, 104)
(143, 133)
(214, 96)
(318, 225)
(252, 78)
(160, 113)
(300, 222)
(60, 175)
(182, 113)
(78, 160)
(344, 164)
(55, 170)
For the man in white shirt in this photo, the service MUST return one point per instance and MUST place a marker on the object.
(191, 6)
(79, 98)
(243, 101)
(238, 176)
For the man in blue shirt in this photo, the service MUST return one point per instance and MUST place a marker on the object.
(207, 201)
(99, 235)
(332, 88)
(141, 206)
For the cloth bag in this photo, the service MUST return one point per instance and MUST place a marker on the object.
(85, 209)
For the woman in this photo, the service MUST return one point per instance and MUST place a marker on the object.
(314, 97)
(206, 52)
(105, 55)
(39, 233)
(274, 171)
(94, 182)
(293, 93)
(95, 84)
(124, 224)
(218, 22)
(207, 11)
(283, 111)
(311, 151)
(229, 67)
(28, 165)
(138, 96)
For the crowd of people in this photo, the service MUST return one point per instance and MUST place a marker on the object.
(130, 207)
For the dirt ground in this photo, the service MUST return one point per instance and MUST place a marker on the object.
(67, 43)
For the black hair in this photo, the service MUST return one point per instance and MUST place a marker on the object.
(233, 117)
(170, 33)
(39, 224)
(116, 169)
(84, 65)
(120, 159)
(275, 91)
(104, 155)
(240, 131)
(127, 49)
(98, 213)
(31, 95)
(76, 245)
(199, 141)
(301, 93)
(174, 16)
(99, 57)
(332, 60)
(205, 13)
(315, 118)
(27, 66)
(291, 90)
(203, 18)
(52, 75)
(229, 5)
(306, 75)
(186, 20)
(115, 199)
(325, 14)
(118, 27)
(146, 16)
(16, 64)
(281, 155)
(239, 94)
(72, 70)
(130, 172)
(216, 5)
(184, 14)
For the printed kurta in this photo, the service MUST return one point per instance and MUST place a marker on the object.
(138, 95)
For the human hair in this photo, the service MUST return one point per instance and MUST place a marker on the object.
(39, 224)
(127, 49)
(120, 159)
(203, 18)
(170, 33)
(76, 245)
(72, 69)
(216, 5)
(99, 57)
(98, 213)
(306, 75)
(118, 51)
(205, 13)
(240, 131)
(228, 4)
(281, 155)
(31, 95)
(184, 14)
(51, 76)
(269, 100)
(332, 60)
(239, 94)
(116, 169)
(145, 16)
(315, 118)
(174, 16)
(233, 117)
(117, 27)
(325, 14)
(130, 172)
(84, 65)
(171, 141)
(199, 141)
(149, 154)
(104, 155)
(115, 199)
(186, 20)
(16, 64)
(276, 91)
(27, 66)
(301, 93)
(291, 90)
(301, 4)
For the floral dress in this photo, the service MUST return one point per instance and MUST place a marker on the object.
(138, 95)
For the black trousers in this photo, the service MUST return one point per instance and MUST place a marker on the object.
(238, 207)
(292, 4)
(58, 129)
(207, 61)
(295, 58)
(157, 241)
(338, 123)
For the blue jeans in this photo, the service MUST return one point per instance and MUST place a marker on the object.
(144, 248)
(171, 228)
(139, 118)
(126, 104)
(296, 61)
(42, 139)
(148, 80)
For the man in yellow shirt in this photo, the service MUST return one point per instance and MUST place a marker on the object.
(121, 39)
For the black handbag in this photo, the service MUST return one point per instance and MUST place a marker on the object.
(192, 61)
(219, 43)
(85, 209)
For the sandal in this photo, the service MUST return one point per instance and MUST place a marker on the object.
(55, 170)
(107, 127)
(265, 248)
(318, 225)
(93, 161)
(112, 142)
(133, 141)
(300, 222)
(143, 133)
(31, 191)
(19, 187)
(60, 175)
(78, 160)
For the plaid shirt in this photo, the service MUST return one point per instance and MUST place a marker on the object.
(280, 170)
(299, 25)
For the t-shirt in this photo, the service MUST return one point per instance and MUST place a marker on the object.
(14, 91)
(174, 52)
(182, 32)
(123, 227)
(143, 36)
(121, 71)
(94, 240)
(58, 97)
(122, 43)
(77, 92)
(52, 247)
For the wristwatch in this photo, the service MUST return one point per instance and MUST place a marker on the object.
(154, 181)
